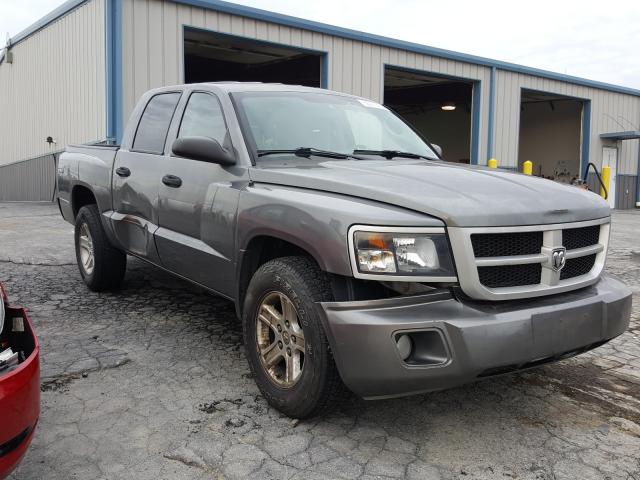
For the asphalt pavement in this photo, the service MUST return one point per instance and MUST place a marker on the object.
(151, 382)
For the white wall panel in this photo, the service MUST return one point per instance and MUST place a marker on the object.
(55, 86)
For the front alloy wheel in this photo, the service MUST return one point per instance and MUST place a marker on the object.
(284, 337)
(280, 339)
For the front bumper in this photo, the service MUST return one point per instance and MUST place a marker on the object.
(477, 339)
(19, 393)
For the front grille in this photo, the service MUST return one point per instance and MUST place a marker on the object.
(578, 266)
(506, 263)
(506, 244)
(492, 251)
(580, 237)
(510, 275)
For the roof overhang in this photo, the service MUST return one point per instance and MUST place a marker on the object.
(629, 135)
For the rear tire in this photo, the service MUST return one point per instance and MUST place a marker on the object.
(289, 287)
(102, 266)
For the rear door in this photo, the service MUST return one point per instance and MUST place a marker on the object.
(137, 176)
(198, 201)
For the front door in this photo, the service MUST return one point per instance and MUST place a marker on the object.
(136, 177)
(610, 159)
(197, 203)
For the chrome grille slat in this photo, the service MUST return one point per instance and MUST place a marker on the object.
(485, 272)
(514, 260)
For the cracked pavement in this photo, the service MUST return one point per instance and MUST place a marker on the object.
(151, 382)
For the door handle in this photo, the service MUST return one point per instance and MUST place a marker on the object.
(172, 181)
(123, 172)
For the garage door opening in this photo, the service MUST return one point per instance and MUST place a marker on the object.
(213, 57)
(439, 108)
(550, 135)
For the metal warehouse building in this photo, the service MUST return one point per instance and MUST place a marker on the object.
(75, 76)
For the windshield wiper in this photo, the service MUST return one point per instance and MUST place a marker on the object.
(307, 152)
(390, 154)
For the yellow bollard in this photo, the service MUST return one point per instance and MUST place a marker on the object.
(606, 178)
(492, 163)
(527, 167)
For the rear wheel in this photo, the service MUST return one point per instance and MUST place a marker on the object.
(285, 341)
(102, 267)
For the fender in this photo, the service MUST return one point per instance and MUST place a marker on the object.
(315, 221)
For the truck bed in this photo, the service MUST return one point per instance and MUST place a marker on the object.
(90, 165)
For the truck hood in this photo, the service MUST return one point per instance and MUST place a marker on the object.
(459, 195)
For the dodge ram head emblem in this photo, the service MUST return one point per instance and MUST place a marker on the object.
(558, 258)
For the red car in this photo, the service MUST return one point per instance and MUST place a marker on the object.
(19, 384)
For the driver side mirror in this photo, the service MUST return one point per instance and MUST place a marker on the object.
(437, 148)
(204, 149)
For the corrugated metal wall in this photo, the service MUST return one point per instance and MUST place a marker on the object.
(610, 112)
(55, 86)
(30, 180)
(625, 191)
(153, 56)
(153, 52)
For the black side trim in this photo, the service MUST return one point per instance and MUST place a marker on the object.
(15, 442)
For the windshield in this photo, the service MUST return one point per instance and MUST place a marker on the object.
(322, 121)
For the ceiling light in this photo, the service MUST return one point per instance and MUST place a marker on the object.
(448, 107)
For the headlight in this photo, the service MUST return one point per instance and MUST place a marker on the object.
(413, 254)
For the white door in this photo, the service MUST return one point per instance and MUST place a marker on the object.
(610, 159)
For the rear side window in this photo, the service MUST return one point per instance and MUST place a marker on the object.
(154, 123)
(203, 118)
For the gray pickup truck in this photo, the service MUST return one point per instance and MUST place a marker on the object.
(354, 255)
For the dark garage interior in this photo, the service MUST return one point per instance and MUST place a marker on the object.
(439, 108)
(212, 57)
(550, 135)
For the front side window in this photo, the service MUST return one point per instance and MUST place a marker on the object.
(203, 118)
(324, 121)
(154, 123)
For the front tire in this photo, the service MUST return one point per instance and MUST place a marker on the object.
(285, 341)
(102, 266)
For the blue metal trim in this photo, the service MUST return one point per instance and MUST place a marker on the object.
(118, 90)
(628, 135)
(264, 15)
(475, 123)
(324, 79)
(638, 179)
(492, 112)
(109, 62)
(586, 134)
(113, 16)
(184, 63)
